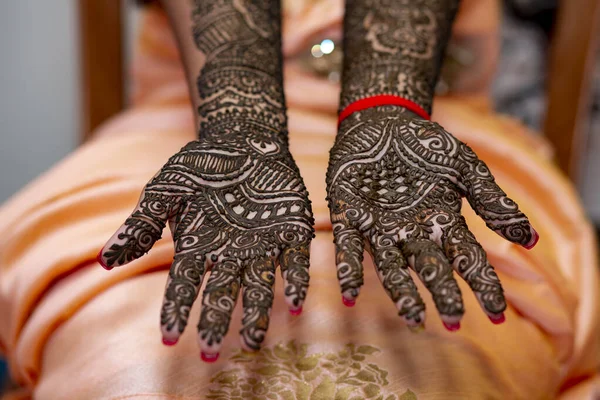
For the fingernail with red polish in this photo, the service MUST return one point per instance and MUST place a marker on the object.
(347, 302)
(296, 311)
(452, 327)
(168, 342)
(497, 320)
(533, 241)
(102, 264)
(209, 358)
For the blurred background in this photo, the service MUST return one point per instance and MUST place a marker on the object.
(42, 78)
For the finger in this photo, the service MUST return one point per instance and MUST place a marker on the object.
(258, 280)
(218, 302)
(397, 282)
(470, 261)
(192, 242)
(183, 284)
(500, 213)
(434, 270)
(349, 248)
(138, 234)
(294, 262)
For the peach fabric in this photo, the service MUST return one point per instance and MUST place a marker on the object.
(74, 331)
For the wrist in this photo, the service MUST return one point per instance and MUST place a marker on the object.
(377, 101)
(395, 48)
(242, 94)
(240, 127)
(414, 86)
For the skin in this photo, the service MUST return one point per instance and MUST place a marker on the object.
(234, 199)
(395, 180)
(236, 203)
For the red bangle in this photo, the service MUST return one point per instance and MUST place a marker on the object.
(382, 100)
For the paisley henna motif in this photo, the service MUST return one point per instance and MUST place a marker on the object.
(234, 199)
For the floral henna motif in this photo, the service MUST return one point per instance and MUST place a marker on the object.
(234, 199)
(395, 182)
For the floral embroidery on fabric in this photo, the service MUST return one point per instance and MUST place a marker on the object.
(289, 372)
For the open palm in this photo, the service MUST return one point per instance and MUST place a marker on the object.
(237, 205)
(395, 182)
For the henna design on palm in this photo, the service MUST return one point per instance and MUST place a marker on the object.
(239, 206)
(234, 199)
(395, 182)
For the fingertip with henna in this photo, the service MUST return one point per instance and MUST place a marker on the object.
(209, 358)
(348, 302)
(533, 241)
(497, 319)
(169, 342)
(101, 262)
(296, 311)
(452, 327)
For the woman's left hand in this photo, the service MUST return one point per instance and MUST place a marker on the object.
(396, 182)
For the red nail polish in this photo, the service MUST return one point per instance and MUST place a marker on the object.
(452, 327)
(498, 320)
(347, 302)
(209, 358)
(296, 311)
(102, 264)
(535, 239)
(168, 342)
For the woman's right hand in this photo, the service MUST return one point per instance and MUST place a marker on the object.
(238, 206)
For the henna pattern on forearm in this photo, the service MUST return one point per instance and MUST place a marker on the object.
(234, 199)
(394, 47)
(241, 84)
(396, 182)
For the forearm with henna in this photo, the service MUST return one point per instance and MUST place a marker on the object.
(395, 180)
(234, 198)
(241, 83)
(395, 47)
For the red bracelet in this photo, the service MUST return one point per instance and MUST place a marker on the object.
(382, 100)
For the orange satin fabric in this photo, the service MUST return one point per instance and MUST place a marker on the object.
(72, 330)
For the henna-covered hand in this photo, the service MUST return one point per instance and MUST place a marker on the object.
(237, 205)
(234, 199)
(395, 181)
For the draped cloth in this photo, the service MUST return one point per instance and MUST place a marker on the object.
(72, 330)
